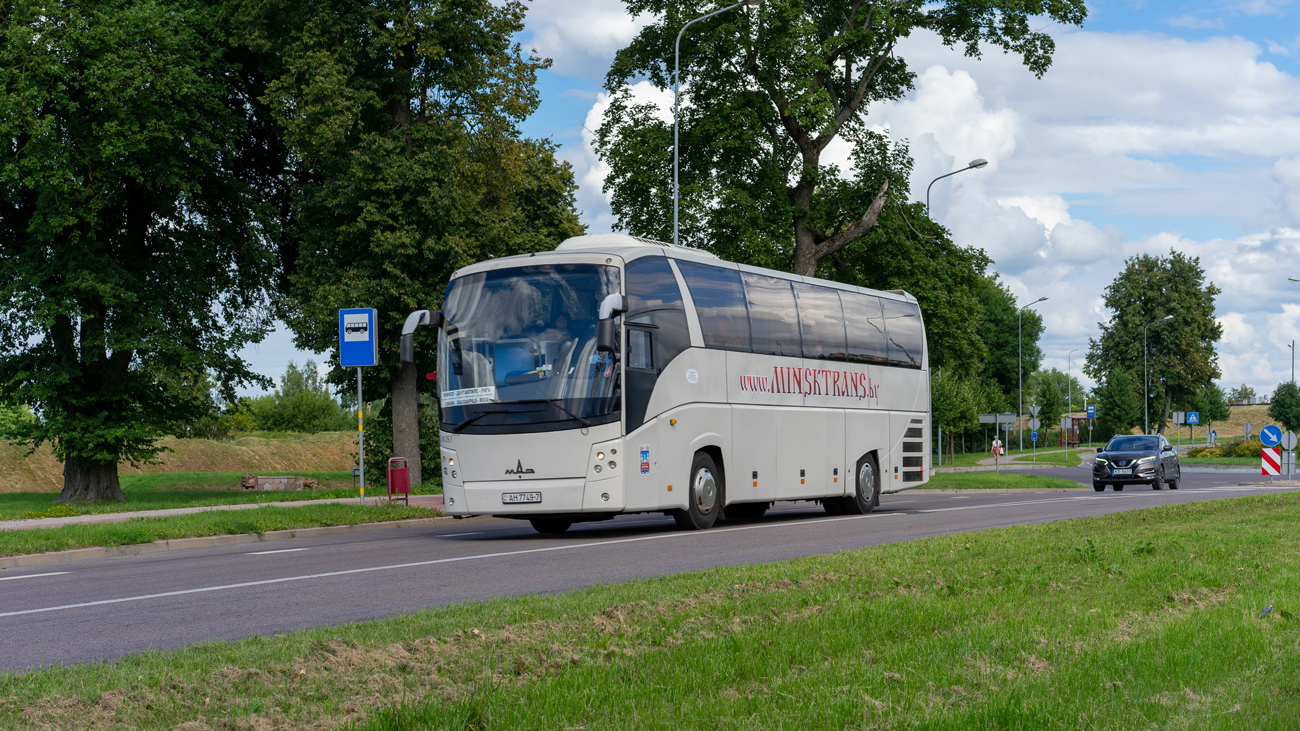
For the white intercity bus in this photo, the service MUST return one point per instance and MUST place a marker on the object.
(622, 375)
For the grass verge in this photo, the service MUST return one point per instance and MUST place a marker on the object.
(997, 481)
(185, 490)
(207, 523)
(1233, 461)
(1142, 619)
(1061, 459)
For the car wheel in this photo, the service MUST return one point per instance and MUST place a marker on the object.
(866, 495)
(1099, 486)
(1173, 484)
(1159, 482)
(1117, 488)
(550, 525)
(705, 497)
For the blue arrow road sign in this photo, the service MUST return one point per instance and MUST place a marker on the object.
(1033, 435)
(1092, 411)
(1270, 435)
(1193, 417)
(358, 341)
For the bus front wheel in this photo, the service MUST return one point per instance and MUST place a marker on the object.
(704, 501)
(550, 525)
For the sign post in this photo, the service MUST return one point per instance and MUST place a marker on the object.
(1288, 462)
(359, 348)
(1193, 418)
(1092, 418)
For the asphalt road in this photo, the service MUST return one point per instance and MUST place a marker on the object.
(105, 609)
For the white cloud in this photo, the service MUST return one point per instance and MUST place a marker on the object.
(1189, 20)
(581, 36)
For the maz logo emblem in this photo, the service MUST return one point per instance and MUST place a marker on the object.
(519, 469)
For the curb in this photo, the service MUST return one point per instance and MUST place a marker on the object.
(180, 544)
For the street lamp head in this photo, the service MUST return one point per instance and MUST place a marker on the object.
(977, 163)
(1166, 317)
(1292, 279)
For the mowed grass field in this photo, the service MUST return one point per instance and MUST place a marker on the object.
(1148, 619)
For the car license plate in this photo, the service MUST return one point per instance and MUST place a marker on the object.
(514, 498)
(1121, 472)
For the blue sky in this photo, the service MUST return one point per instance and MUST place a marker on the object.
(1160, 126)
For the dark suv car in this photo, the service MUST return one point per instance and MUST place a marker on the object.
(1147, 458)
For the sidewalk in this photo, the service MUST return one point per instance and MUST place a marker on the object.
(433, 502)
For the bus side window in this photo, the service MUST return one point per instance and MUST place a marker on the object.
(771, 302)
(720, 303)
(866, 328)
(640, 353)
(905, 331)
(822, 322)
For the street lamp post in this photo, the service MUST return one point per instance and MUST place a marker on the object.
(975, 164)
(1291, 345)
(1069, 388)
(1146, 379)
(1020, 359)
(677, 53)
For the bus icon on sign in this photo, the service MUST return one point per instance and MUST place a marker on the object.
(356, 327)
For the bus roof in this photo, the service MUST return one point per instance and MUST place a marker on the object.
(628, 248)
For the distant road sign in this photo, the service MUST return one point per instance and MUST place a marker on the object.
(1193, 417)
(1034, 424)
(1270, 461)
(1033, 435)
(1034, 410)
(1288, 441)
(1214, 436)
(1270, 435)
(1178, 417)
(1248, 430)
(358, 341)
(1092, 411)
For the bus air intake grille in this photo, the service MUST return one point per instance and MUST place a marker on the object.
(913, 447)
(913, 433)
(913, 476)
(914, 461)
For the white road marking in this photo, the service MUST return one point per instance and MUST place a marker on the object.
(31, 576)
(282, 550)
(548, 549)
(471, 533)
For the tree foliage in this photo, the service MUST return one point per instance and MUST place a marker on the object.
(1211, 403)
(1285, 406)
(1007, 333)
(302, 403)
(765, 91)
(1051, 404)
(1119, 405)
(403, 117)
(1180, 354)
(1241, 394)
(136, 193)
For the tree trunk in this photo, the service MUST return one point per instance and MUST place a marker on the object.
(1164, 416)
(406, 421)
(90, 481)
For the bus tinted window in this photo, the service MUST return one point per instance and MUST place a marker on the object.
(651, 284)
(905, 331)
(772, 315)
(821, 321)
(720, 304)
(865, 323)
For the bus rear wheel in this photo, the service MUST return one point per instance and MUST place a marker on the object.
(705, 498)
(550, 525)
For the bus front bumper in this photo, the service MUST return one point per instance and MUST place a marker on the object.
(521, 498)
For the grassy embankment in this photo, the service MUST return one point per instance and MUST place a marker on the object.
(1143, 619)
(206, 523)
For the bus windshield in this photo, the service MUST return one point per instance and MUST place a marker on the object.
(520, 349)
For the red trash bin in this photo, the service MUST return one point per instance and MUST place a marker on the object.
(399, 480)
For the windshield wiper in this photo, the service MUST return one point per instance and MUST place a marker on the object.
(556, 403)
(456, 429)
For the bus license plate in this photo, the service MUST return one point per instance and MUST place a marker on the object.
(1122, 472)
(514, 498)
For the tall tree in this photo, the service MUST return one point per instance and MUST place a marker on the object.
(1010, 336)
(135, 201)
(765, 91)
(1050, 402)
(403, 116)
(1180, 355)
(1241, 394)
(1119, 405)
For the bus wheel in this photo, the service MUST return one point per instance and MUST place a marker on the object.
(705, 498)
(550, 525)
(867, 495)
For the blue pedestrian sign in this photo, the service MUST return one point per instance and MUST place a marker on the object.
(1270, 435)
(1092, 411)
(358, 340)
(1033, 435)
(1193, 417)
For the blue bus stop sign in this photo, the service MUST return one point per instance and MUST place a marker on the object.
(1193, 417)
(1270, 435)
(1092, 411)
(358, 340)
(1033, 435)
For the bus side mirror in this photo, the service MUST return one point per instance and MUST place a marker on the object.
(406, 349)
(606, 334)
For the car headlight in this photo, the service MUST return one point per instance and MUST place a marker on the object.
(1150, 458)
(1102, 460)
